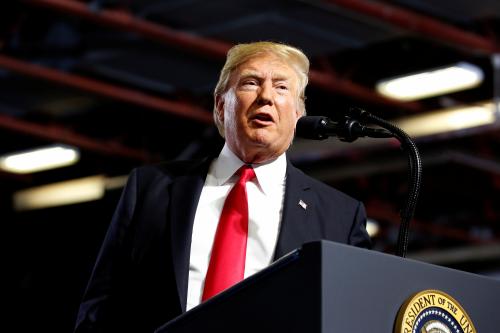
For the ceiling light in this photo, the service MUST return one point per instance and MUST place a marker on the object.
(66, 192)
(432, 83)
(449, 120)
(62, 193)
(39, 159)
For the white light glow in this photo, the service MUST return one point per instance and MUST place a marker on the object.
(449, 120)
(372, 227)
(39, 159)
(66, 192)
(432, 83)
(62, 193)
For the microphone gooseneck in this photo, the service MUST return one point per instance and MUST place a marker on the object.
(414, 174)
(351, 128)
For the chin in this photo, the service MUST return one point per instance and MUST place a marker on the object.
(262, 137)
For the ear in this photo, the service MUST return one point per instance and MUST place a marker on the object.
(219, 106)
(299, 112)
(300, 108)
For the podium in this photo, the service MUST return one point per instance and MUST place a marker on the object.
(330, 287)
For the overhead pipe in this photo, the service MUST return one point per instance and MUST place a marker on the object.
(122, 20)
(421, 24)
(64, 135)
(379, 210)
(206, 46)
(181, 109)
(332, 83)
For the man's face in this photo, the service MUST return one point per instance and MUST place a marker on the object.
(260, 109)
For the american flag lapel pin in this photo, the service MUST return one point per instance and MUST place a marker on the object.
(302, 204)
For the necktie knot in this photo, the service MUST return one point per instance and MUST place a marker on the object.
(246, 174)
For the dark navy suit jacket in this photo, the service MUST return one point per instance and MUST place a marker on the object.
(140, 278)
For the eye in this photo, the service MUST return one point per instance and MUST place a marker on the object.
(249, 82)
(281, 86)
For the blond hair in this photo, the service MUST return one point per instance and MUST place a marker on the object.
(241, 53)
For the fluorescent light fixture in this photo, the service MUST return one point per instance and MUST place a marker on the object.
(62, 193)
(39, 159)
(449, 120)
(66, 192)
(435, 82)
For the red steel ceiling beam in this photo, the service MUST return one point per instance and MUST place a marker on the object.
(107, 90)
(381, 210)
(332, 83)
(421, 24)
(124, 21)
(64, 135)
(211, 47)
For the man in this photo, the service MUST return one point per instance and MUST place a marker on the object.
(161, 250)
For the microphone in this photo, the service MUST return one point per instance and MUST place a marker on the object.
(348, 129)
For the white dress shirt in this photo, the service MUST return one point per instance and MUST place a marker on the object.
(265, 194)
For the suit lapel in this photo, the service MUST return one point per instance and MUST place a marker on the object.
(185, 194)
(297, 226)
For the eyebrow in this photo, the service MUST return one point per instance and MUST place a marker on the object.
(276, 76)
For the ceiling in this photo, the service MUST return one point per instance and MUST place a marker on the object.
(130, 82)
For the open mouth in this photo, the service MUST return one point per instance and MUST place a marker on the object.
(263, 117)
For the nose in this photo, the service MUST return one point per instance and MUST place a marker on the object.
(265, 96)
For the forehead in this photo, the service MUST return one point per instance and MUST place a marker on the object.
(266, 65)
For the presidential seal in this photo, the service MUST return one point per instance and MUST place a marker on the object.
(432, 311)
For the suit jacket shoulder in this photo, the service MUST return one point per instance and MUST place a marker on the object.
(148, 174)
(325, 190)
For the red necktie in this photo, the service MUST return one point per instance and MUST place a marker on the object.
(227, 261)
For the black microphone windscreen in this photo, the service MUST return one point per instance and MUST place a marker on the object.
(311, 127)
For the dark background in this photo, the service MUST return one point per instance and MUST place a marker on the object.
(152, 67)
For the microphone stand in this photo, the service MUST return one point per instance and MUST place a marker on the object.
(414, 173)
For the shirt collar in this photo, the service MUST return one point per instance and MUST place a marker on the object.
(269, 174)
